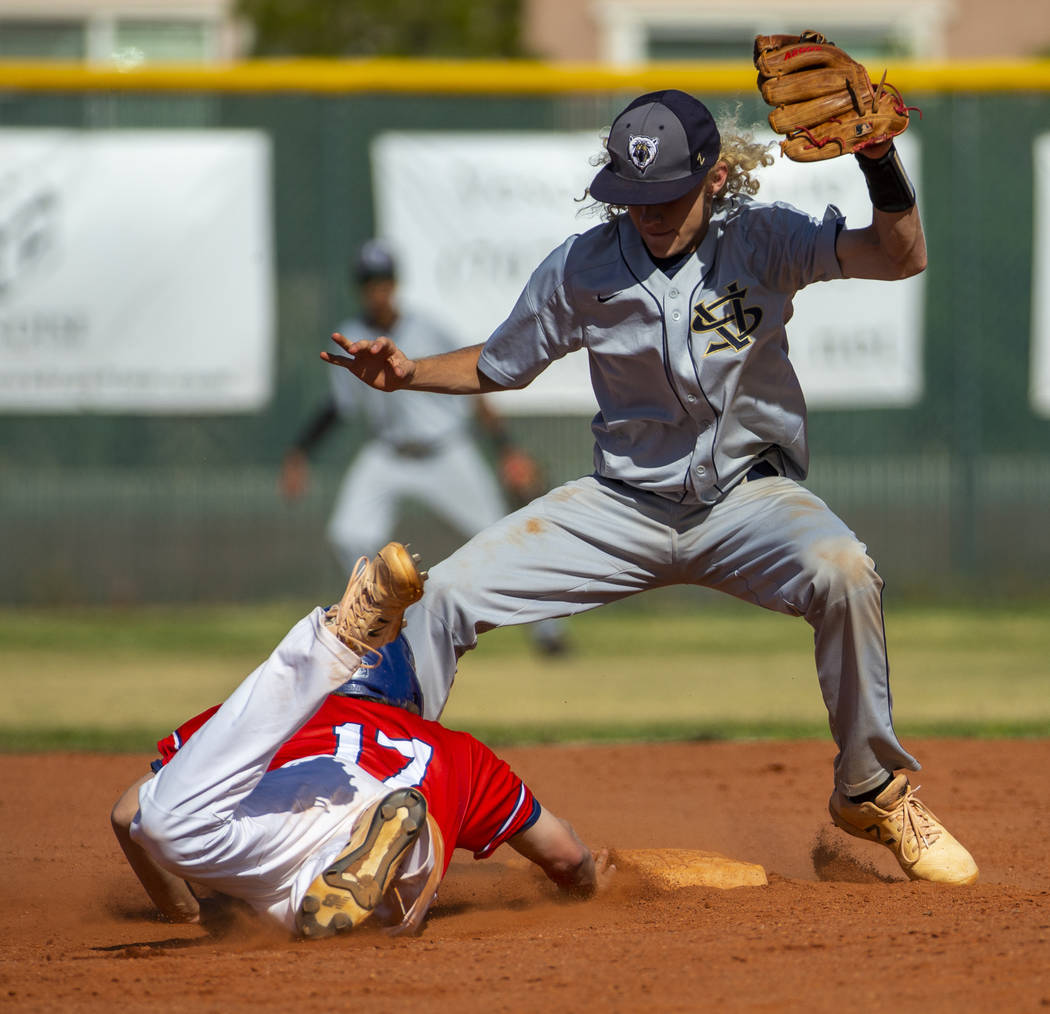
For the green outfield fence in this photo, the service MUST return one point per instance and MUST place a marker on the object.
(951, 494)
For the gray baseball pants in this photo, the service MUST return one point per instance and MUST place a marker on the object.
(591, 541)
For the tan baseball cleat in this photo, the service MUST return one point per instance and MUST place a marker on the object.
(352, 887)
(371, 611)
(923, 846)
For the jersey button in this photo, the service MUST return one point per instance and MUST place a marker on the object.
(691, 398)
(673, 293)
(700, 470)
(676, 315)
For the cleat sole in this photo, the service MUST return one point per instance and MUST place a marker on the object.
(349, 890)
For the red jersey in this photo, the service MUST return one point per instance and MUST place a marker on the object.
(477, 801)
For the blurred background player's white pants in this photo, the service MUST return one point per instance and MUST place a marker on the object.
(451, 479)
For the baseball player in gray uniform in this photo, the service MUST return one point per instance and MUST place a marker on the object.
(420, 448)
(680, 300)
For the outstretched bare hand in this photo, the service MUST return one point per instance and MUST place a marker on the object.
(604, 870)
(380, 363)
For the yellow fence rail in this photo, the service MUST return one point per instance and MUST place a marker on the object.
(483, 77)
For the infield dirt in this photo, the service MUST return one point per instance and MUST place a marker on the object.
(838, 927)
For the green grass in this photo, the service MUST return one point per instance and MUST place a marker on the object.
(659, 667)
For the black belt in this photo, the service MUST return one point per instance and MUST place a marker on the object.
(415, 450)
(762, 470)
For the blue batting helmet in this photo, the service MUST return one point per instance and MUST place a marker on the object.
(392, 681)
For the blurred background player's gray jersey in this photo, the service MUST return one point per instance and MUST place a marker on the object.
(417, 446)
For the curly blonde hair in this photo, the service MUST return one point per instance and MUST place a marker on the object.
(740, 152)
(742, 155)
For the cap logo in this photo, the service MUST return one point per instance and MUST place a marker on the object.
(642, 150)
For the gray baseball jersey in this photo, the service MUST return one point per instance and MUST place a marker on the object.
(694, 388)
(691, 373)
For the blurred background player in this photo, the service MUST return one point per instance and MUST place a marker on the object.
(420, 447)
(317, 795)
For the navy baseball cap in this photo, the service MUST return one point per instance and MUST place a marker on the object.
(660, 147)
(374, 262)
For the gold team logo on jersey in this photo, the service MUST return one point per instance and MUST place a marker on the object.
(728, 318)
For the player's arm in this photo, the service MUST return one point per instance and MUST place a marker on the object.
(894, 245)
(171, 894)
(553, 845)
(382, 365)
(295, 468)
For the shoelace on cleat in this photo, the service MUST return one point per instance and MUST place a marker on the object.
(911, 815)
(354, 612)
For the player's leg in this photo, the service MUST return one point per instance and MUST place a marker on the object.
(774, 543)
(216, 816)
(185, 813)
(578, 546)
(171, 894)
(365, 507)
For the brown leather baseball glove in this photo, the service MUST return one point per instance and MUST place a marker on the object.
(823, 100)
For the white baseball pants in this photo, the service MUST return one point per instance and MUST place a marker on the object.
(215, 816)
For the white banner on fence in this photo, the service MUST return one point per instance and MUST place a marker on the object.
(136, 271)
(472, 214)
(1040, 364)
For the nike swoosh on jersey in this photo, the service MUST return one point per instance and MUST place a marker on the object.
(605, 299)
